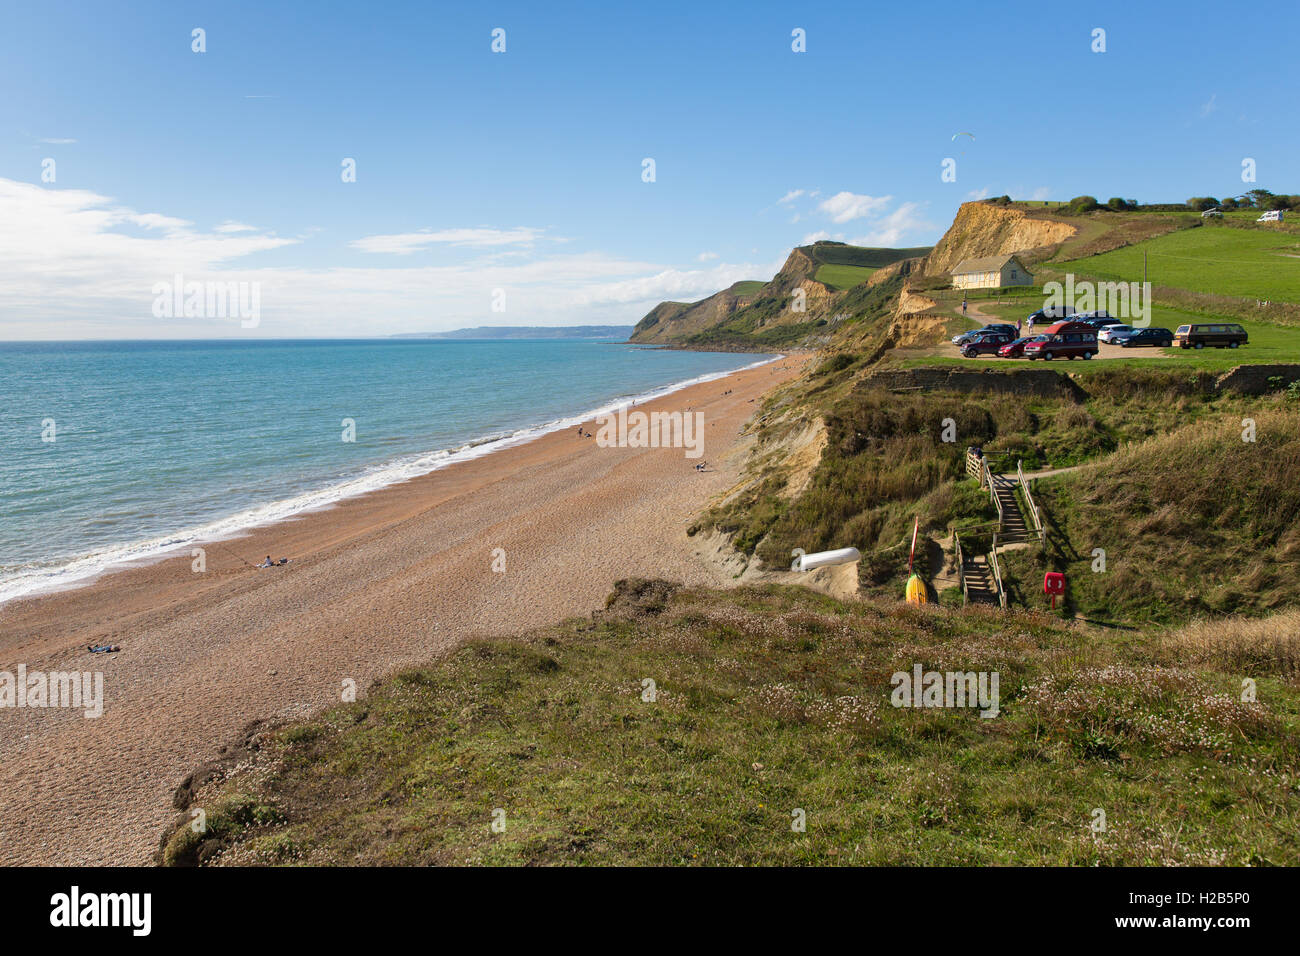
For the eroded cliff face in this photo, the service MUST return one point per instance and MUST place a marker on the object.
(982, 229)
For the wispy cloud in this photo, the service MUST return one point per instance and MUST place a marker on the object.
(1209, 106)
(405, 243)
(847, 206)
(75, 264)
(56, 141)
(893, 229)
(791, 196)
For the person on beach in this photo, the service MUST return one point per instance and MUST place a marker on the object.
(268, 563)
(1031, 325)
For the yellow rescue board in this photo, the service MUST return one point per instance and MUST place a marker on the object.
(915, 590)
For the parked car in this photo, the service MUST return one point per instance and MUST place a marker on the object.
(1016, 349)
(1098, 315)
(964, 337)
(1113, 333)
(986, 344)
(1219, 334)
(1160, 338)
(1212, 214)
(1064, 340)
(1100, 324)
(1053, 313)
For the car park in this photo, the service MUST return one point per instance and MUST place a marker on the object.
(1064, 340)
(987, 343)
(1160, 338)
(1016, 348)
(1111, 334)
(1221, 335)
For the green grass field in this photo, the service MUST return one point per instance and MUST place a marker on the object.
(748, 286)
(1257, 263)
(842, 277)
(755, 727)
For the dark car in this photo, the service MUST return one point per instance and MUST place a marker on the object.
(1053, 313)
(986, 343)
(1064, 340)
(1016, 349)
(1219, 334)
(1160, 338)
(964, 337)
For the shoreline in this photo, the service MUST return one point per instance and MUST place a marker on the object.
(379, 583)
(84, 570)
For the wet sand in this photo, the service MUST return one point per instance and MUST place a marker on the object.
(377, 583)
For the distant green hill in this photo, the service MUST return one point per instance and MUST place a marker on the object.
(763, 314)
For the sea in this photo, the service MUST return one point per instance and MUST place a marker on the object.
(113, 453)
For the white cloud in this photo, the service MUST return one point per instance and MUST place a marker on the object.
(1209, 106)
(1041, 193)
(73, 264)
(706, 256)
(812, 237)
(892, 229)
(978, 193)
(405, 243)
(229, 226)
(846, 206)
(57, 141)
(791, 196)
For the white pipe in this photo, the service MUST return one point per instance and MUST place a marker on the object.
(822, 559)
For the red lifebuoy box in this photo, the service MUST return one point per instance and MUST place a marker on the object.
(1053, 584)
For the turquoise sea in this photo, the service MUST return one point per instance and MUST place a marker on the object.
(157, 445)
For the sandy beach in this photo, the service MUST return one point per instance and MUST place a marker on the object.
(377, 583)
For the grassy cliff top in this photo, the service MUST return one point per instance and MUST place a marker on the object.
(770, 709)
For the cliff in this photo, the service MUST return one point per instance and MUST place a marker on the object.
(982, 229)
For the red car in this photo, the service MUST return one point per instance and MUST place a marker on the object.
(1016, 349)
(1064, 340)
(987, 343)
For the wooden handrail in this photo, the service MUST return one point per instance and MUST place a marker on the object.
(997, 573)
(1029, 500)
(961, 569)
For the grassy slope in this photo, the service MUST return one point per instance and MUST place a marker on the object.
(1194, 521)
(843, 277)
(774, 700)
(1253, 262)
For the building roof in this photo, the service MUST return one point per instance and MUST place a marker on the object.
(985, 264)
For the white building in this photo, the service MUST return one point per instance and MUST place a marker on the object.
(991, 272)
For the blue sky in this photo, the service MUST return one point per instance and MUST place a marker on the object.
(522, 171)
